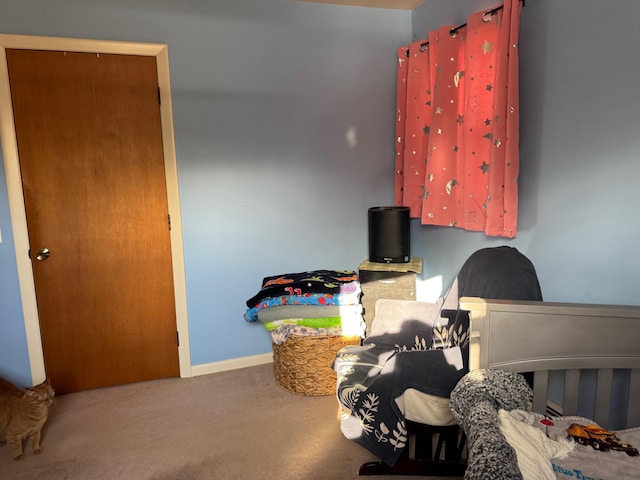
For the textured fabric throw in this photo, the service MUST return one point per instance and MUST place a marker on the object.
(475, 402)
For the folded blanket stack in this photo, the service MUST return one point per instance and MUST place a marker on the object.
(318, 302)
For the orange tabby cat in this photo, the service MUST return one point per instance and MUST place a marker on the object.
(23, 413)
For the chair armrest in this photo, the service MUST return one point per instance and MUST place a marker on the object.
(448, 313)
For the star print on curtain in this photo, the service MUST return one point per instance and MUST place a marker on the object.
(457, 124)
(414, 102)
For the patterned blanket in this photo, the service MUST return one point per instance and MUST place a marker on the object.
(601, 455)
(313, 288)
(426, 354)
(328, 299)
(315, 281)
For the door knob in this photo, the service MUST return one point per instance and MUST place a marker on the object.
(42, 254)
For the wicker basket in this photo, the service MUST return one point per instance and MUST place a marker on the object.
(304, 364)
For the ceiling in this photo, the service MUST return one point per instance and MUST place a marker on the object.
(396, 4)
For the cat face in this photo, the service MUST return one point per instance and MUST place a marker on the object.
(42, 394)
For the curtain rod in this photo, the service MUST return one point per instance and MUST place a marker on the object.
(454, 30)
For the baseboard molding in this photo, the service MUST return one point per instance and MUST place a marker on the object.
(233, 364)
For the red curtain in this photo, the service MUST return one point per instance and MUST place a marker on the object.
(457, 124)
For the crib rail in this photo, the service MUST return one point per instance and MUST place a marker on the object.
(612, 403)
(573, 342)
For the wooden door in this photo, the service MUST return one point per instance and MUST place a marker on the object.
(90, 150)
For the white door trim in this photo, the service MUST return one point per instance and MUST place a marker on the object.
(16, 195)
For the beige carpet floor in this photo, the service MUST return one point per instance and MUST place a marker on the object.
(232, 425)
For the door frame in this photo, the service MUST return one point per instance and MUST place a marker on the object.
(16, 194)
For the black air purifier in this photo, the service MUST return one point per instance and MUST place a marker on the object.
(389, 235)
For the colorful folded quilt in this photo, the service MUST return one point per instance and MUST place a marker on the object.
(282, 333)
(321, 322)
(280, 312)
(316, 281)
(350, 325)
(338, 299)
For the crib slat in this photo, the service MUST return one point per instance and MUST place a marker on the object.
(603, 396)
(570, 395)
(633, 403)
(540, 386)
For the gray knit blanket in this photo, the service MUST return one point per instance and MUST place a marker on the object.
(475, 402)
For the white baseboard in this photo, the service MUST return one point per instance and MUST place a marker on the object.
(233, 364)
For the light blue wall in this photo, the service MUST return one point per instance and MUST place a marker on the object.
(14, 360)
(264, 92)
(580, 143)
